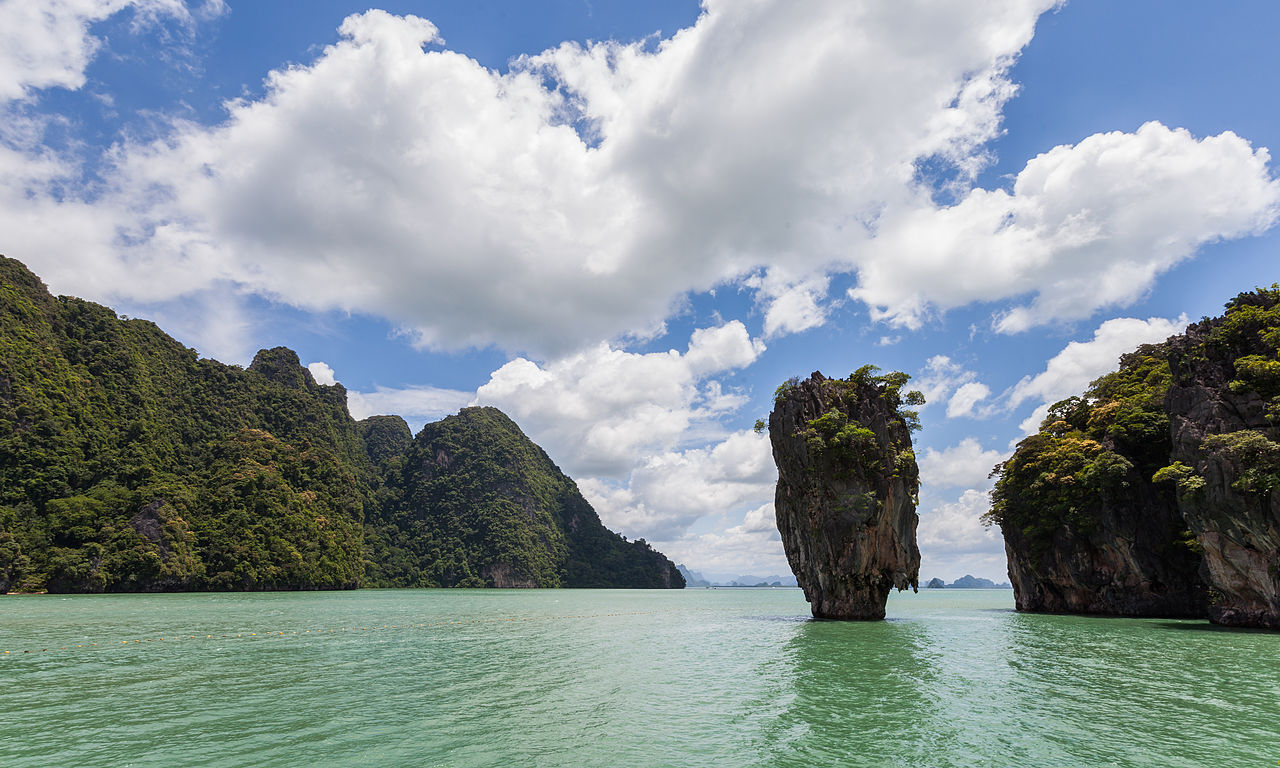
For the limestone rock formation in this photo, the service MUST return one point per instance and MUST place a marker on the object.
(1157, 493)
(1224, 405)
(1086, 529)
(474, 502)
(129, 464)
(847, 490)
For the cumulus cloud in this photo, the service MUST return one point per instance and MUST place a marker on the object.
(963, 465)
(48, 44)
(1072, 370)
(956, 527)
(598, 411)
(666, 493)
(952, 538)
(1085, 227)
(581, 194)
(418, 405)
(471, 211)
(944, 380)
(791, 305)
(965, 398)
(754, 545)
(322, 373)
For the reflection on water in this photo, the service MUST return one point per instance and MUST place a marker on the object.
(955, 684)
(851, 688)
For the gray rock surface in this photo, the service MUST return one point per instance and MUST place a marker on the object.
(1237, 527)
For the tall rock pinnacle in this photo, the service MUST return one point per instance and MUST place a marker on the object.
(847, 489)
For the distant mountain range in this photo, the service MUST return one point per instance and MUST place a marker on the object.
(694, 579)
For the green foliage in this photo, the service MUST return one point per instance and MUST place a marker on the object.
(784, 389)
(1256, 456)
(1184, 478)
(1088, 445)
(835, 434)
(1089, 449)
(127, 463)
(1250, 335)
(759, 426)
(476, 502)
(852, 446)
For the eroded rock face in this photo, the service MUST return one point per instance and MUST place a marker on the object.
(1131, 564)
(1234, 514)
(1087, 528)
(847, 491)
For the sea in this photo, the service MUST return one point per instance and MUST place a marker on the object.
(699, 677)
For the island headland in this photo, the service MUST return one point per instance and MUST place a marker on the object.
(128, 463)
(1157, 491)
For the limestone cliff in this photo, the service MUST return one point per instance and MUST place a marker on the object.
(847, 490)
(127, 464)
(1223, 405)
(1156, 493)
(1086, 529)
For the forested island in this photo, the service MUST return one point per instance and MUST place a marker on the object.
(1157, 491)
(128, 463)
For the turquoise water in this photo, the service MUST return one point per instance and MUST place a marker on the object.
(619, 678)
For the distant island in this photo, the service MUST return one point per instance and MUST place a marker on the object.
(693, 579)
(967, 582)
(129, 464)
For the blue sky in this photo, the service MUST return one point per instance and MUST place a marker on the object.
(625, 223)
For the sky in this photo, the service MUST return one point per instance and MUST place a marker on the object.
(626, 223)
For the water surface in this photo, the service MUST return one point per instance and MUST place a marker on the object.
(731, 677)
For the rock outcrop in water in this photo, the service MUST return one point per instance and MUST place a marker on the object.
(1086, 529)
(847, 490)
(1156, 493)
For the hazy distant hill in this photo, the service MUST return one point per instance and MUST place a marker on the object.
(695, 579)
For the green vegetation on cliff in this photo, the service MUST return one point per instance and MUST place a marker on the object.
(1092, 446)
(1088, 451)
(473, 501)
(127, 463)
(1161, 481)
(847, 489)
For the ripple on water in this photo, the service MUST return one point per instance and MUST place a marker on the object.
(606, 678)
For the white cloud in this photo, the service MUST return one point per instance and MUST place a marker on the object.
(417, 405)
(47, 44)
(955, 527)
(962, 465)
(598, 411)
(943, 379)
(792, 305)
(322, 373)
(771, 138)
(1086, 227)
(754, 547)
(666, 493)
(1072, 370)
(965, 398)
(469, 210)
